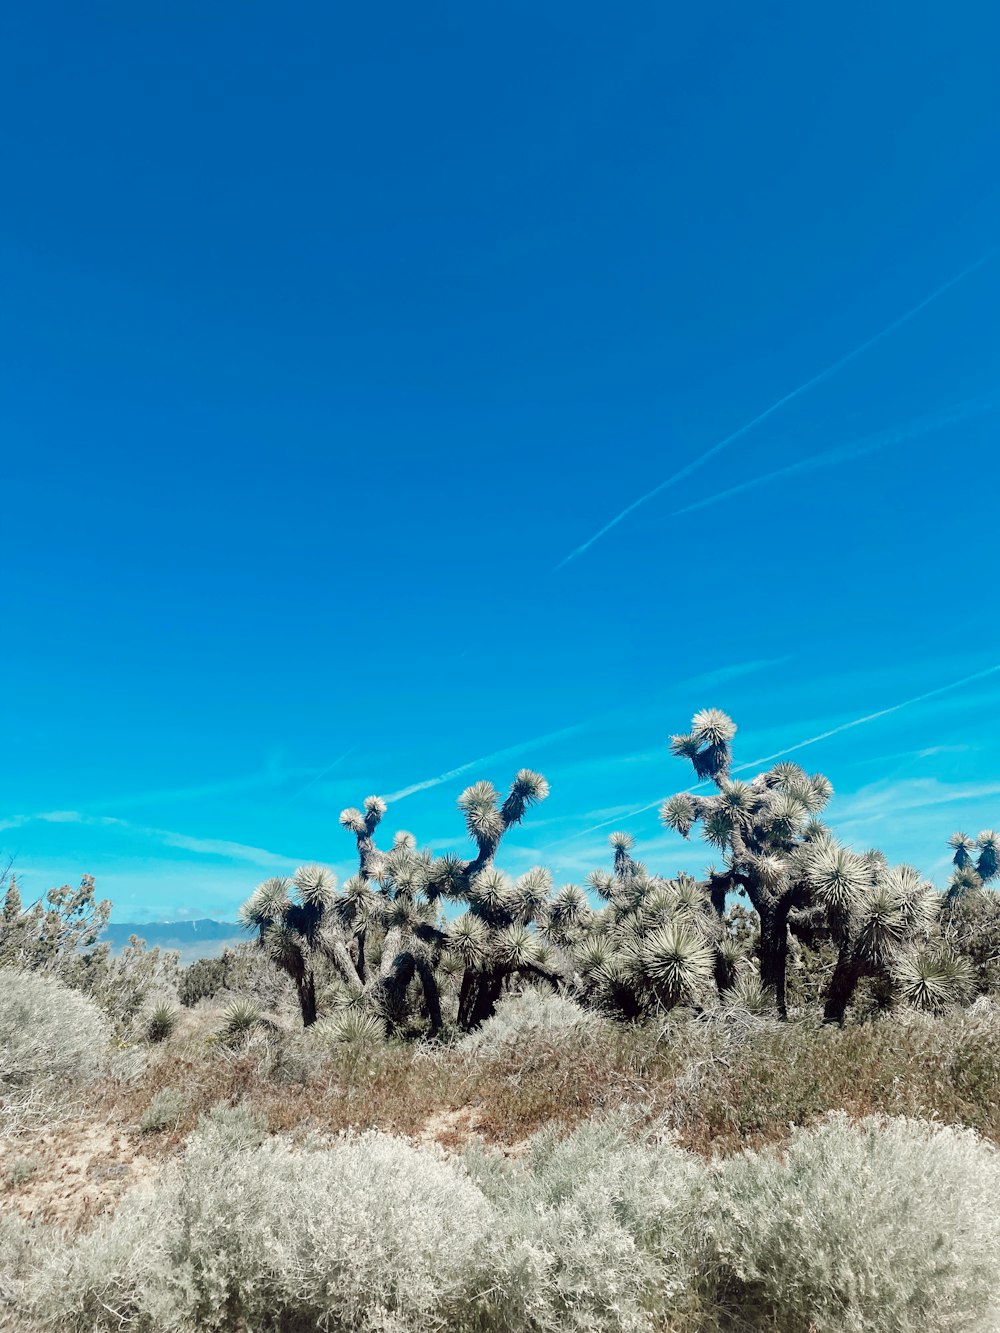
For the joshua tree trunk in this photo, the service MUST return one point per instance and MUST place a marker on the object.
(306, 988)
(774, 951)
(843, 984)
(486, 996)
(432, 997)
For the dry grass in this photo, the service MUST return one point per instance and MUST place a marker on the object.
(723, 1086)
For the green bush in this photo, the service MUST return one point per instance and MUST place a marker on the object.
(201, 980)
(161, 1023)
(888, 1225)
(52, 1039)
(165, 1111)
(19, 1169)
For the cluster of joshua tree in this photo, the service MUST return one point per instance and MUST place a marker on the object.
(420, 942)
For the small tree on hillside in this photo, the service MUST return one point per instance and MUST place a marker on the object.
(760, 827)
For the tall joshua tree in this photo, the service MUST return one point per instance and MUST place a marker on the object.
(397, 895)
(878, 915)
(291, 917)
(760, 826)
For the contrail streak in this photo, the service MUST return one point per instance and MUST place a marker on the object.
(846, 453)
(508, 753)
(321, 774)
(811, 740)
(777, 405)
(713, 677)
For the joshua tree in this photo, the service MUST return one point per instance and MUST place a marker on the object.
(395, 898)
(975, 862)
(654, 945)
(293, 927)
(879, 917)
(761, 827)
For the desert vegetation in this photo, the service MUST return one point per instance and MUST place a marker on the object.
(436, 1096)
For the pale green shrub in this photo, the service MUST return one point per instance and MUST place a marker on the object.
(232, 1128)
(370, 1234)
(52, 1039)
(533, 1015)
(15, 1258)
(596, 1231)
(883, 1225)
(20, 1169)
(886, 1226)
(164, 1111)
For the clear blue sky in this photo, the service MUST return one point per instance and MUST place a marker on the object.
(329, 332)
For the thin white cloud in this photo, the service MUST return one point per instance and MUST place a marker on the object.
(811, 740)
(320, 775)
(847, 453)
(512, 751)
(221, 847)
(707, 679)
(810, 383)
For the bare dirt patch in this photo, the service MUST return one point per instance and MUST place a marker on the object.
(83, 1168)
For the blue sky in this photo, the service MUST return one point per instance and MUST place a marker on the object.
(332, 337)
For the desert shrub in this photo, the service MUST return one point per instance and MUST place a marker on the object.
(125, 982)
(349, 1024)
(52, 1039)
(161, 1023)
(371, 1234)
(20, 1169)
(201, 980)
(529, 1016)
(594, 1231)
(891, 1225)
(232, 1128)
(15, 1260)
(164, 1111)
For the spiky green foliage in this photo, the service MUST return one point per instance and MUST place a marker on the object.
(653, 946)
(976, 861)
(241, 1020)
(933, 979)
(161, 1022)
(351, 1025)
(878, 916)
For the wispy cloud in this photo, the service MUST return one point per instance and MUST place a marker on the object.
(270, 777)
(221, 847)
(810, 740)
(511, 752)
(318, 777)
(705, 680)
(779, 403)
(847, 453)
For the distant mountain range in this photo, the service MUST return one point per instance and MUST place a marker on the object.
(194, 939)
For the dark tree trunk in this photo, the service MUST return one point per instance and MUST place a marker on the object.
(360, 962)
(774, 952)
(465, 998)
(432, 998)
(843, 984)
(486, 996)
(306, 987)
